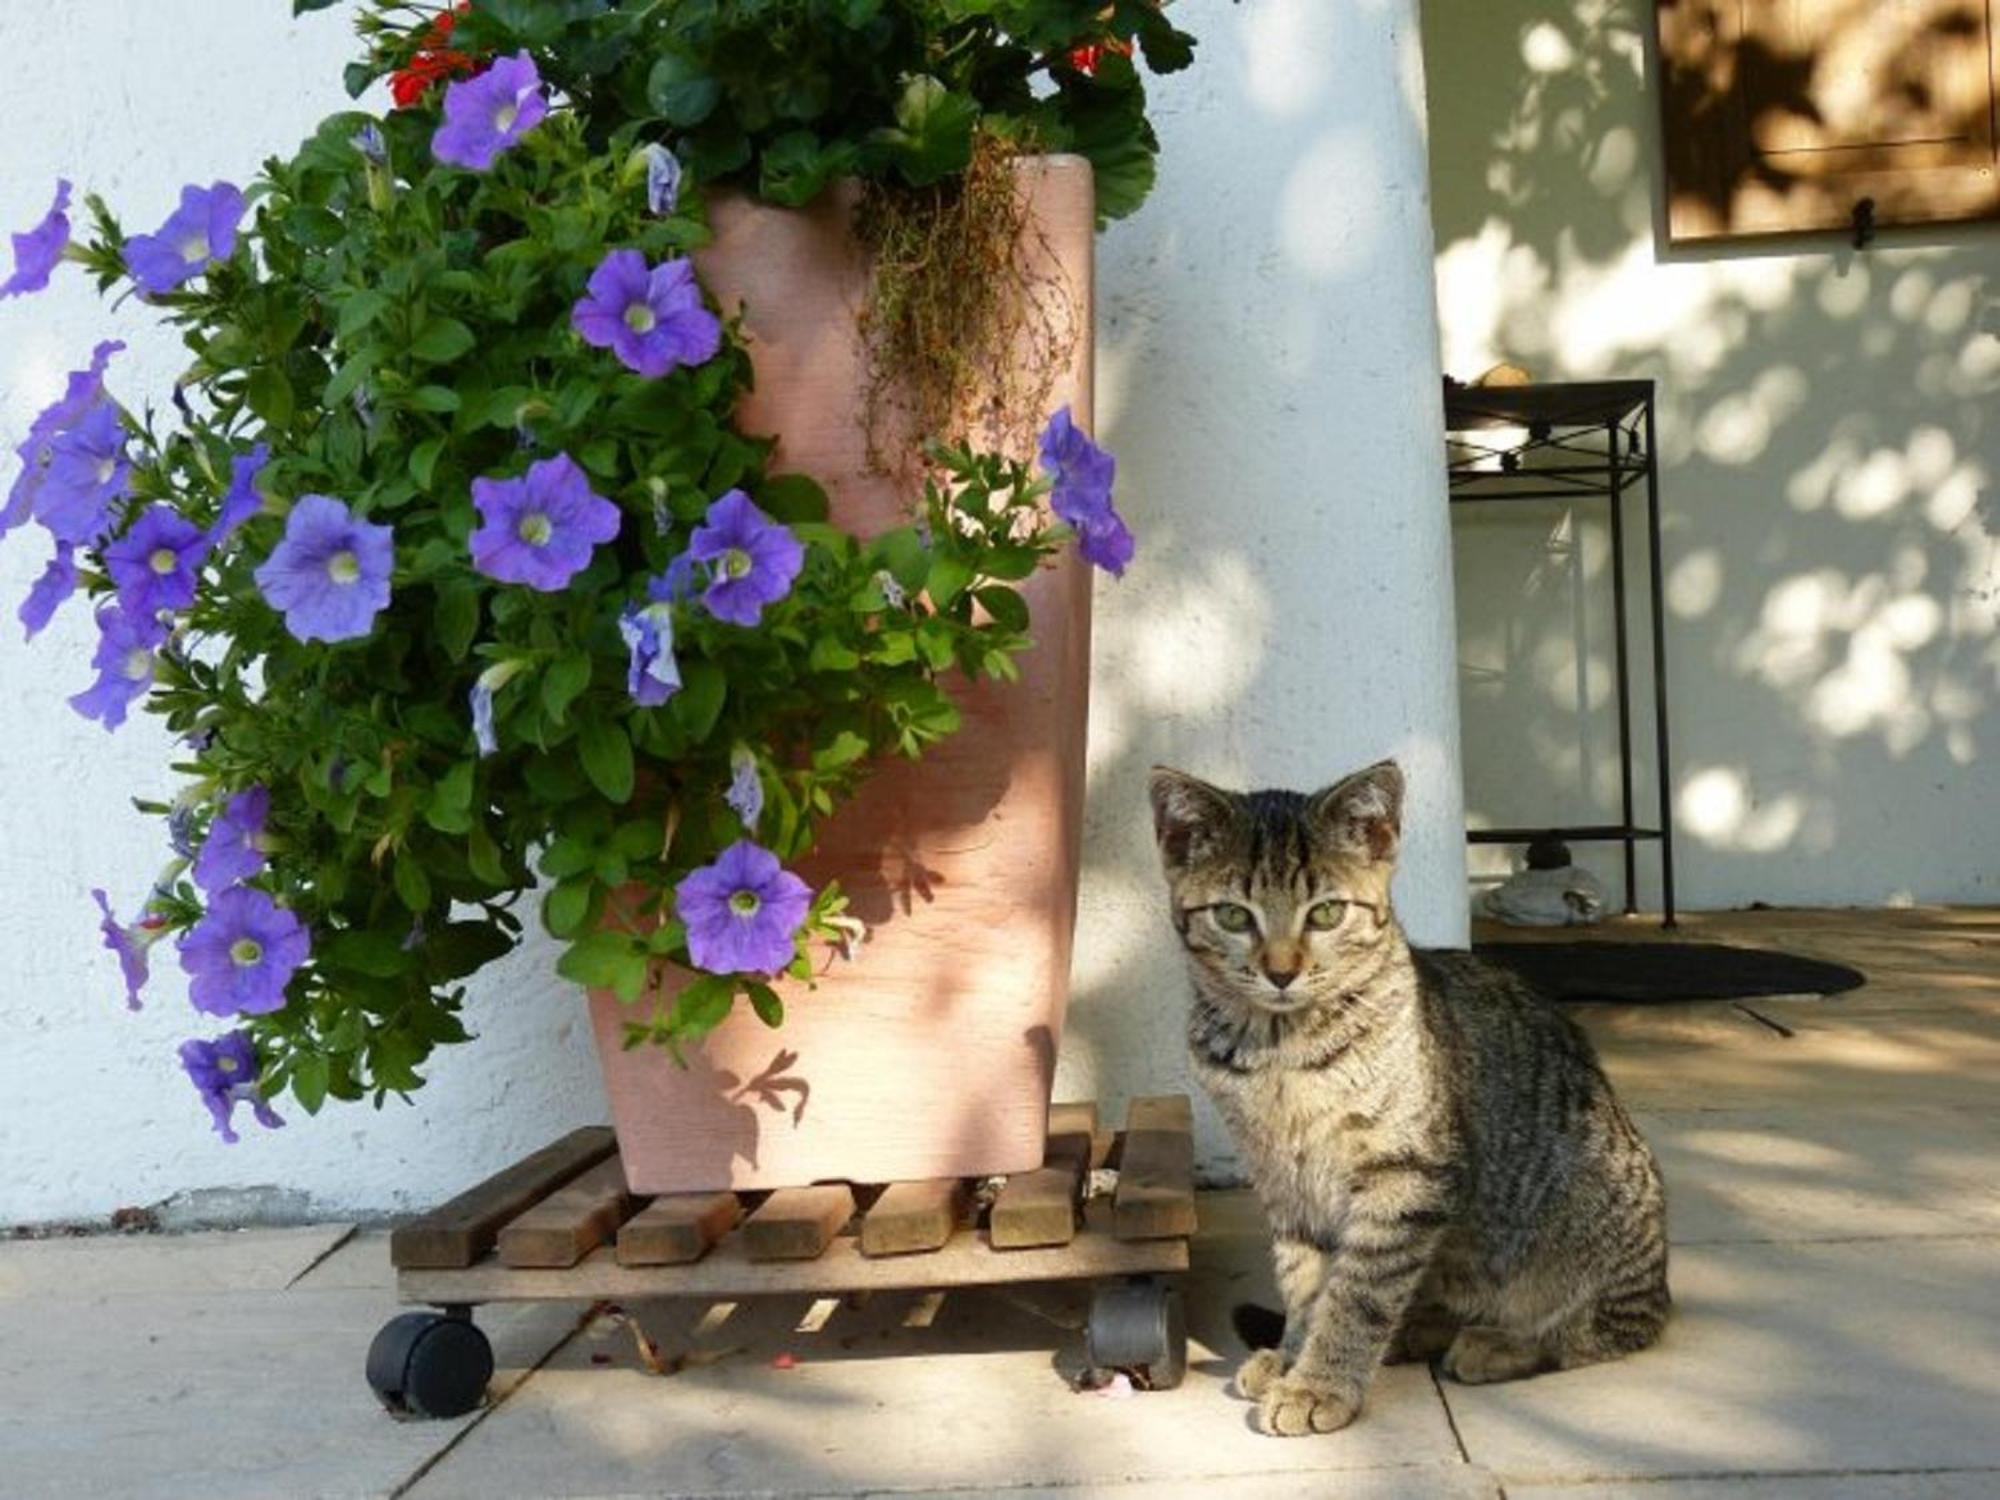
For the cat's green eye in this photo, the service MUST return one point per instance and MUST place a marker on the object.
(1326, 915)
(1232, 918)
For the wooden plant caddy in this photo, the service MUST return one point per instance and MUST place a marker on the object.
(560, 1225)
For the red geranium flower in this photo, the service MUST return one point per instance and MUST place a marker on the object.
(433, 61)
(1086, 57)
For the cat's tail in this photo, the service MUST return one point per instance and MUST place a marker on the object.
(1258, 1327)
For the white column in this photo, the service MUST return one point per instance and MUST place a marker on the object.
(1269, 380)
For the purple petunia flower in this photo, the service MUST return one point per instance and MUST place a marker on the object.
(243, 499)
(751, 559)
(482, 717)
(538, 529)
(742, 912)
(125, 660)
(224, 1072)
(1081, 496)
(133, 944)
(652, 318)
(330, 575)
(57, 583)
(155, 562)
(372, 144)
(87, 471)
(746, 787)
(652, 676)
(84, 391)
(38, 251)
(234, 848)
(487, 115)
(243, 953)
(197, 234)
(663, 180)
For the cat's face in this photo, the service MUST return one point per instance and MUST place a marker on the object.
(1279, 896)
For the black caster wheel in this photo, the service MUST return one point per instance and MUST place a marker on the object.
(1139, 1325)
(426, 1364)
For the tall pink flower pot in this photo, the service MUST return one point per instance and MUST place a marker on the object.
(931, 1052)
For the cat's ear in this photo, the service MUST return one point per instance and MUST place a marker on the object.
(1189, 816)
(1363, 813)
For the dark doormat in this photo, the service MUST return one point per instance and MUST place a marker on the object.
(1641, 972)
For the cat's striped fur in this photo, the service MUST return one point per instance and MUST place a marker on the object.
(1444, 1166)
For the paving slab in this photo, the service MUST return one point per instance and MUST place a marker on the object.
(1929, 1485)
(360, 1263)
(242, 1260)
(1782, 1358)
(911, 1393)
(217, 1396)
(1416, 1482)
(1684, 1057)
(1822, 1174)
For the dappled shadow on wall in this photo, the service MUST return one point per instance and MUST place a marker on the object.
(1827, 425)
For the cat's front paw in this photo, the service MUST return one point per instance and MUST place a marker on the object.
(1291, 1407)
(1255, 1374)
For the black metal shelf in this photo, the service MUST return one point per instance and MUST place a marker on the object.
(1570, 441)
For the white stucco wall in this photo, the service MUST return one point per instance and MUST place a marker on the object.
(1268, 381)
(1829, 436)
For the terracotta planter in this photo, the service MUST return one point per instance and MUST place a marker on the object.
(932, 1052)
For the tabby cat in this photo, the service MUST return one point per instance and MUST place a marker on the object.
(1443, 1163)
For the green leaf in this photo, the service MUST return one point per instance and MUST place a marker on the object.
(703, 1005)
(699, 702)
(434, 398)
(457, 617)
(796, 167)
(461, 948)
(606, 752)
(679, 89)
(568, 906)
(832, 655)
(413, 886)
(565, 677)
(269, 393)
(933, 138)
(795, 499)
(764, 1000)
(1007, 609)
(906, 557)
(482, 857)
(358, 311)
(450, 810)
(948, 578)
(842, 748)
(424, 461)
(567, 857)
(606, 960)
(1012, 563)
(347, 379)
(442, 340)
(309, 1076)
(363, 950)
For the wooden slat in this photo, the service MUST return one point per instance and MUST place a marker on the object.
(727, 1272)
(913, 1216)
(678, 1228)
(1036, 1209)
(571, 1222)
(1076, 1134)
(798, 1223)
(1155, 1197)
(458, 1233)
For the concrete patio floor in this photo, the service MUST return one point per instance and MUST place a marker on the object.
(1834, 1170)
